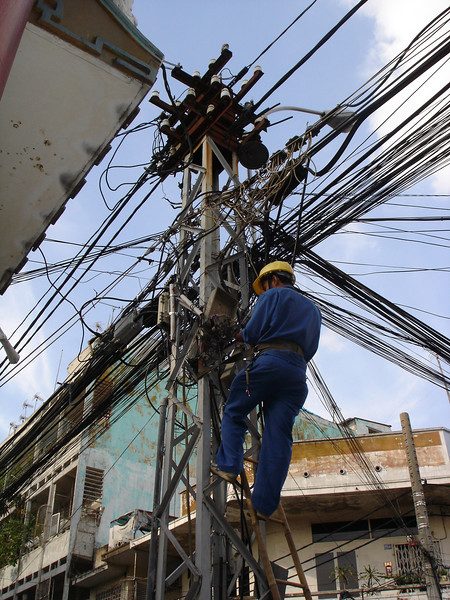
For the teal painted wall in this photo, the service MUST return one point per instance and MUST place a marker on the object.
(127, 454)
(309, 426)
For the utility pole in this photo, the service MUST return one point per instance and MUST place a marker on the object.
(198, 309)
(209, 250)
(199, 135)
(420, 507)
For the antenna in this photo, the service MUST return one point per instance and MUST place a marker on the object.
(25, 405)
(37, 399)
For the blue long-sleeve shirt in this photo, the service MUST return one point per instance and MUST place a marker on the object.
(284, 313)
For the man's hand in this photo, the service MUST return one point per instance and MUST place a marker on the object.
(239, 338)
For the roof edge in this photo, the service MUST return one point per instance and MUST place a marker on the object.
(131, 28)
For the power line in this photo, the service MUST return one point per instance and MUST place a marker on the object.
(305, 58)
(245, 70)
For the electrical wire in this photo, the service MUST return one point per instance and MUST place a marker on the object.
(245, 70)
(377, 324)
(305, 58)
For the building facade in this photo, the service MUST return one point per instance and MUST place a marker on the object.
(105, 472)
(74, 75)
(350, 510)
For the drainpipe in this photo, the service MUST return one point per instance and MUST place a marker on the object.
(13, 18)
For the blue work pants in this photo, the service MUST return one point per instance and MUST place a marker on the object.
(277, 381)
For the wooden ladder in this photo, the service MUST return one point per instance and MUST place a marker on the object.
(278, 517)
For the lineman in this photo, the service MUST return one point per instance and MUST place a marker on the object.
(284, 330)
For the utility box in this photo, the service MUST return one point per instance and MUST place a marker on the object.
(221, 303)
(163, 310)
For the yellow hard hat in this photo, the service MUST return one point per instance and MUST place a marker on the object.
(273, 267)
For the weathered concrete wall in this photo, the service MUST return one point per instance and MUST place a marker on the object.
(309, 426)
(127, 454)
(330, 465)
(41, 557)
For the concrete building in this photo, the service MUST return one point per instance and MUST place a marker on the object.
(348, 502)
(350, 510)
(72, 75)
(104, 473)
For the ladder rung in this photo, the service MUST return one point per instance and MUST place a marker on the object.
(293, 583)
(273, 519)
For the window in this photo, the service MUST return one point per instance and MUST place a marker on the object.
(114, 593)
(347, 571)
(364, 529)
(392, 527)
(335, 572)
(409, 559)
(324, 574)
(340, 530)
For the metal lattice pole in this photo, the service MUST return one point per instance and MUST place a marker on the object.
(211, 573)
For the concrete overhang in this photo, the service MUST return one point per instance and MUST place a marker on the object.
(79, 75)
(98, 576)
(344, 506)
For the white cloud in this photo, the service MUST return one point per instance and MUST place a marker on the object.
(332, 342)
(355, 244)
(440, 181)
(38, 376)
(396, 24)
(405, 395)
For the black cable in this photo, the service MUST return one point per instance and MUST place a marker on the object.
(399, 59)
(303, 60)
(58, 290)
(245, 70)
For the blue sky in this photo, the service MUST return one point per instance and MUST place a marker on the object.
(191, 34)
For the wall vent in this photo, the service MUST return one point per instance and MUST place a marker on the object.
(93, 486)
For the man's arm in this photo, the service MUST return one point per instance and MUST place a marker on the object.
(261, 316)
